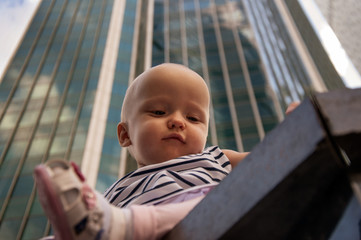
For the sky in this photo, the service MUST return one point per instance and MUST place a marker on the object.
(14, 17)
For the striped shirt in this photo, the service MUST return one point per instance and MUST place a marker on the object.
(153, 184)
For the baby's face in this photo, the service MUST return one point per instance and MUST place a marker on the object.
(169, 115)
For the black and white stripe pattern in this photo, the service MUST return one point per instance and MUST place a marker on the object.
(157, 182)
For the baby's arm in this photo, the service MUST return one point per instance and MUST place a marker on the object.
(234, 157)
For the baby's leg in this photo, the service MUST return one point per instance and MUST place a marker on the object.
(78, 212)
(153, 222)
(73, 208)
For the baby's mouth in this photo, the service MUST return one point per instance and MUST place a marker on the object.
(175, 136)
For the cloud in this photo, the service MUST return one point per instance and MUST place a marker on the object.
(14, 16)
(11, 3)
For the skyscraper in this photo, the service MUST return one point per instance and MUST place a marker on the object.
(62, 93)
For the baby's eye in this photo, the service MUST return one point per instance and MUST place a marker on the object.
(192, 119)
(158, 112)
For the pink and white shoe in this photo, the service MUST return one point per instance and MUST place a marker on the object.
(73, 208)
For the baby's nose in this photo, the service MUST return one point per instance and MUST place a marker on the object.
(176, 122)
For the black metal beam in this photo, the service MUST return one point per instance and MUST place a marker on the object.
(294, 184)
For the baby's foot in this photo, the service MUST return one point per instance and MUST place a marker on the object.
(73, 208)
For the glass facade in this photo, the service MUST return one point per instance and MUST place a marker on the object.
(215, 39)
(48, 95)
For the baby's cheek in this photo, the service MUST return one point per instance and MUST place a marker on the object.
(141, 136)
(200, 139)
(146, 137)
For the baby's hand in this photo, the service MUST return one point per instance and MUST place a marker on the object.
(234, 157)
(292, 107)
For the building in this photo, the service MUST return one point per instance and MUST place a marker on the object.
(62, 92)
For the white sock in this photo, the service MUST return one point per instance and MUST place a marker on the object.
(117, 222)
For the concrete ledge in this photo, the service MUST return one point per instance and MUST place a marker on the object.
(294, 184)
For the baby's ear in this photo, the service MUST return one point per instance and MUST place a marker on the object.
(123, 136)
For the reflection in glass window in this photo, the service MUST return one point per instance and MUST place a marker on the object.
(38, 147)
(35, 227)
(9, 228)
(59, 145)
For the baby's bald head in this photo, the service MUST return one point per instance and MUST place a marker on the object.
(159, 76)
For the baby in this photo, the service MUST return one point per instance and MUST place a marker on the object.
(164, 125)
